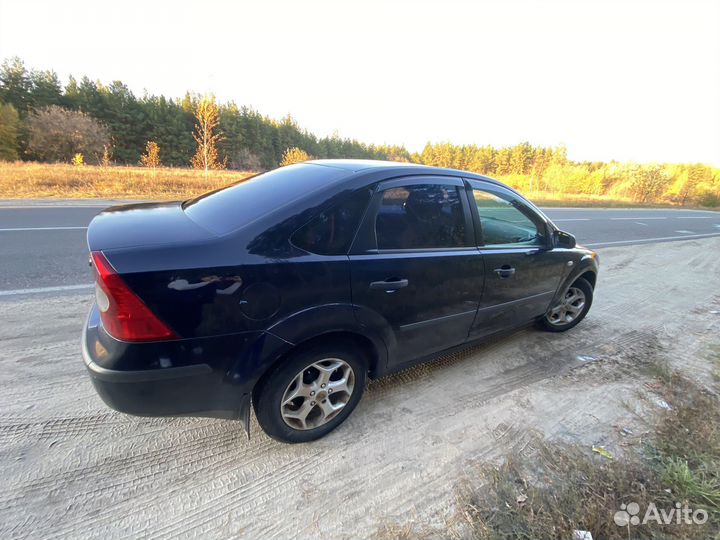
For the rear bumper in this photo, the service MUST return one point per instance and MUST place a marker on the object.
(210, 377)
(180, 391)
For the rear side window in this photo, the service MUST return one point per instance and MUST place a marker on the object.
(228, 209)
(420, 216)
(332, 231)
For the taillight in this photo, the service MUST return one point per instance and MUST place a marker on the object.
(123, 314)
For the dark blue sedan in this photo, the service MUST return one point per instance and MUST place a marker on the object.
(291, 289)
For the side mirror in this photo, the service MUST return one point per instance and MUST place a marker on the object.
(564, 240)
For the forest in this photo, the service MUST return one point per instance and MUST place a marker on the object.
(89, 122)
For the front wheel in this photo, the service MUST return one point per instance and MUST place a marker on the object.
(570, 309)
(310, 394)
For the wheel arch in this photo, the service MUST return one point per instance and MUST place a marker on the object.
(342, 338)
(590, 276)
(333, 321)
(586, 269)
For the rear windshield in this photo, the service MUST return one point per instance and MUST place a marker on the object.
(230, 208)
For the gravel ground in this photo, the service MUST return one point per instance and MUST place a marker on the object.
(73, 468)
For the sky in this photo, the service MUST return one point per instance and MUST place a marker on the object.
(627, 80)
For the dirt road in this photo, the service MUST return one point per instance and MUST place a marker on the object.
(70, 467)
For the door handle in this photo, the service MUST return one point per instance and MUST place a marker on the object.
(389, 285)
(505, 271)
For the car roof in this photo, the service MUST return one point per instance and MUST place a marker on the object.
(356, 165)
(401, 167)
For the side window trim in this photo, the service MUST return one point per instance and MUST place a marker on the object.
(368, 209)
(424, 250)
(419, 181)
(365, 241)
(477, 226)
(370, 190)
(538, 219)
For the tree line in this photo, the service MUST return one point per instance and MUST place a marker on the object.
(549, 171)
(250, 140)
(42, 120)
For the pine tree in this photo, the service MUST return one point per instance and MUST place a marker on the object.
(45, 89)
(9, 125)
(15, 85)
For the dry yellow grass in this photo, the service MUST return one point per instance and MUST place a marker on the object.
(26, 180)
(21, 180)
(549, 198)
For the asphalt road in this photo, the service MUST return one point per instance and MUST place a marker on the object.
(43, 248)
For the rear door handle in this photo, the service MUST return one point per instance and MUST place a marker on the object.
(505, 271)
(389, 285)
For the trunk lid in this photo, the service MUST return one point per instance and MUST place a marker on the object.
(143, 224)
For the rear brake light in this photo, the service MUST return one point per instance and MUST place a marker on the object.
(123, 314)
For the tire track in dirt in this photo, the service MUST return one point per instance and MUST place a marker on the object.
(143, 464)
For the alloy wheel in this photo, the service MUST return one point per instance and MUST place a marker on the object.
(568, 309)
(317, 394)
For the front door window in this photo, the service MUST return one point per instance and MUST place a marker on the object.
(503, 224)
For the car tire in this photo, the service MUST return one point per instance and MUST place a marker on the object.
(554, 321)
(309, 417)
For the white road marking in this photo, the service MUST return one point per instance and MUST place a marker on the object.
(640, 240)
(695, 217)
(634, 218)
(572, 219)
(641, 223)
(685, 232)
(43, 229)
(40, 290)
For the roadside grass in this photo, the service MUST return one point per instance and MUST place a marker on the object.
(564, 488)
(26, 180)
(559, 488)
(20, 180)
(549, 200)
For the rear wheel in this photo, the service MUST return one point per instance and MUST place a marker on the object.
(570, 309)
(310, 394)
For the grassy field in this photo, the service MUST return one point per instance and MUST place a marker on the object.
(23, 180)
(547, 198)
(38, 180)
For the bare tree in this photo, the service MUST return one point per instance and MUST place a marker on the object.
(207, 135)
(57, 135)
(151, 157)
(107, 156)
